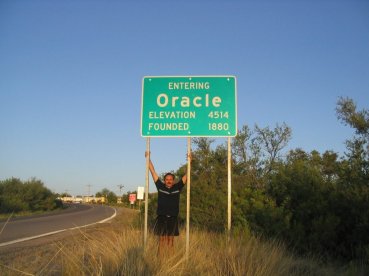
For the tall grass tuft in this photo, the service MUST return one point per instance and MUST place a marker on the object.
(122, 253)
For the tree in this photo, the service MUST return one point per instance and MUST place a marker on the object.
(239, 144)
(356, 169)
(359, 120)
(273, 141)
(247, 163)
(202, 155)
(109, 195)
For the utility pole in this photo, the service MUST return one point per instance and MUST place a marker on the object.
(89, 189)
(120, 186)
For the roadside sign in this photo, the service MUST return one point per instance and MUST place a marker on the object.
(132, 198)
(192, 106)
(140, 193)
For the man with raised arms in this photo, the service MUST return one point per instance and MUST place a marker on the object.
(166, 224)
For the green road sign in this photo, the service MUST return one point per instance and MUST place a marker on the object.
(189, 106)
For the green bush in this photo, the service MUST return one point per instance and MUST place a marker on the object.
(30, 196)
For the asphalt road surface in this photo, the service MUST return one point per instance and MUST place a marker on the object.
(77, 215)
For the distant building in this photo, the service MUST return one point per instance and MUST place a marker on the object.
(83, 199)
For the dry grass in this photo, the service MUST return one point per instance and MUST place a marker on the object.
(118, 250)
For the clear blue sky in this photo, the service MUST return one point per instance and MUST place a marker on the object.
(71, 72)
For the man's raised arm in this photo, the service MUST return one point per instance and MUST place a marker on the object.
(154, 175)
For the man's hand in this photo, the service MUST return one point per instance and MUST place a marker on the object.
(147, 153)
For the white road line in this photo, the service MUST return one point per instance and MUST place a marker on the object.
(56, 232)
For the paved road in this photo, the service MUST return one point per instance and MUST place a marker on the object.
(78, 215)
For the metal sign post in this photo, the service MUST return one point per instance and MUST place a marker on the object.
(188, 196)
(147, 190)
(229, 186)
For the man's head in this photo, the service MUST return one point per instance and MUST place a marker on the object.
(169, 179)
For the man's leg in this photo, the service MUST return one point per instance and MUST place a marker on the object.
(170, 240)
(162, 244)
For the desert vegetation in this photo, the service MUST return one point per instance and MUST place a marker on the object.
(17, 196)
(117, 249)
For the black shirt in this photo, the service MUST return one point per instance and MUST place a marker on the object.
(168, 198)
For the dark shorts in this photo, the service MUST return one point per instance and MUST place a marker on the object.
(166, 226)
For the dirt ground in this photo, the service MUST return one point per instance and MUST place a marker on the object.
(17, 259)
